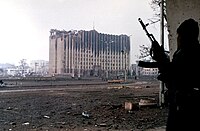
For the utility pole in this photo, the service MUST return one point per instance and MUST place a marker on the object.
(125, 65)
(124, 56)
(106, 60)
(125, 68)
(162, 85)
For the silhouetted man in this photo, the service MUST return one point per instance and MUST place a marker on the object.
(181, 76)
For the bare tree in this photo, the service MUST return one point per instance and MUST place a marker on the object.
(22, 65)
(144, 52)
(156, 5)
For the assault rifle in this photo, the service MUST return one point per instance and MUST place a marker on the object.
(154, 47)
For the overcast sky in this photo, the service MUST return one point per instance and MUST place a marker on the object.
(25, 24)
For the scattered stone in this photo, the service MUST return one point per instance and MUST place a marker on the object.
(46, 117)
(85, 114)
(26, 123)
(147, 103)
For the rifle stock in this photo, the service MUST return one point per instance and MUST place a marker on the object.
(148, 64)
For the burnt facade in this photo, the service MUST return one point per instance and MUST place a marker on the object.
(82, 52)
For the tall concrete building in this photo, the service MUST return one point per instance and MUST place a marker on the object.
(80, 53)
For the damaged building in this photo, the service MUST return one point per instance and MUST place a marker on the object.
(88, 53)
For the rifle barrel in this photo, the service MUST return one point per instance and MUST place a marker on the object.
(151, 37)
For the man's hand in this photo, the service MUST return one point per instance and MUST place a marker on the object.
(157, 52)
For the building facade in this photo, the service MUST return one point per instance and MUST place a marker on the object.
(39, 67)
(78, 53)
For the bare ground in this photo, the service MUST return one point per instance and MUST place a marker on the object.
(59, 108)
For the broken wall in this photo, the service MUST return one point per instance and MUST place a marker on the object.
(177, 12)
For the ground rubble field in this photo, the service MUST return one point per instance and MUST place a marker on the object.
(84, 107)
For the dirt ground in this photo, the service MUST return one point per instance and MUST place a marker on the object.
(80, 106)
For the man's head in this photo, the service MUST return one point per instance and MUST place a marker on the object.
(188, 31)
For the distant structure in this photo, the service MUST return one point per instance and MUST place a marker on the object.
(39, 67)
(88, 53)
